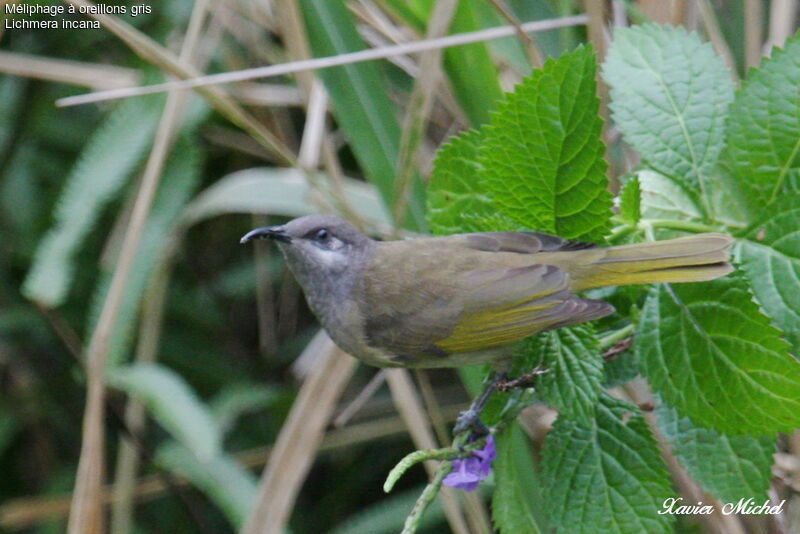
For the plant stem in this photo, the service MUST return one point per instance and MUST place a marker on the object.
(673, 224)
(622, 231)
(426, 498)
(613, 338)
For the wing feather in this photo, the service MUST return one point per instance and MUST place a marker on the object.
(478, 308)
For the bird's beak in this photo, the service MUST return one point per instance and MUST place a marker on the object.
(278, 233)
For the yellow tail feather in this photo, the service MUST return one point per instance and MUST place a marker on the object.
(685, 259)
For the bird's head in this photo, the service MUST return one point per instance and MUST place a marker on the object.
(316, 244)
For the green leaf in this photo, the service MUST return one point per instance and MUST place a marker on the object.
(517, 497)
(543, 156)
(728, 467)
(237, 399)
(11, 93)
(360, 99)
(9, 428)
(574, 381)
(630, 201)
(764, 127)
(621, 369)
(180, 177)
(388, 515)
(770, 257)
(456, 200)
(173, 404)
(663, 198)
(470, 68)
(715, 357)
(108, 158)
(669, 97)
(729, 199)
(605, 476)
(21, 198)
(227, 483)
(281, 191)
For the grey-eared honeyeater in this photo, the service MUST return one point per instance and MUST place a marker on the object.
(461, 299)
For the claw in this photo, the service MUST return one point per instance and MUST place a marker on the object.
(470, 420)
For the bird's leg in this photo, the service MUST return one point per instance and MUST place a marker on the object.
(471, 418)
(525, 381)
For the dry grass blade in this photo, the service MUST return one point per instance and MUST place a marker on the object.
(419, 108)
(638, 392)
(311, 64)
(596, 11)
(663, 11)
(159, 56)
(27, 512)
(314, 128)
(535, 55)
(86, 513)
(411, 410)
(317, 144)
(262, 94)
(295, 38)
(96, 76)
(714, 32)
(781, 21)
(361, 399)
(753, 31)
(125, 484)
(300, 438)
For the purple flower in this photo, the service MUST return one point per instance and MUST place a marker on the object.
(467, 473)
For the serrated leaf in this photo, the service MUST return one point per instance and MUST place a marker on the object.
(621, 369)
(663, 198)
(764, 126)
(669, 97)
(227, 483)
(574, 379)
(173, 404)
(456, 197)
(542, 153)
(728, 467)
(630, 201)
(605, 476)
(106, 161)
(729, 199)
(770, 256)
(516, 504)
(709, 351)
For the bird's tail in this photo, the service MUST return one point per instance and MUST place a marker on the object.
(685, 259)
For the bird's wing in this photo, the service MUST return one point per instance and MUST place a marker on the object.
(476, 308)
(521, 242)
(507, 305)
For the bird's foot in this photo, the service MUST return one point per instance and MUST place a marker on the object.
(521, 382)
(471, 418)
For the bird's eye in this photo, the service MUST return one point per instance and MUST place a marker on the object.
(321, 235)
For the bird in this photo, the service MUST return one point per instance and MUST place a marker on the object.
(463, 299)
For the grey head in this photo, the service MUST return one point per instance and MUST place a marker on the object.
(323, 251)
